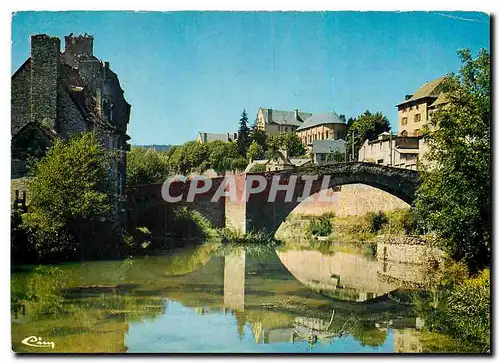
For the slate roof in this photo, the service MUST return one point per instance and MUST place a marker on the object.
(321, 119)
(285, 117)
(429, 89)
(328, 146)
(441, 100)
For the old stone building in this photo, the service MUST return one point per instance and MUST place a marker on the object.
(327, 126)
(391, 150)
(275, 122)
(416, 110)
(57, 95)
(407, 148)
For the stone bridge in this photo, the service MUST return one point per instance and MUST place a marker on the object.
(256, 212)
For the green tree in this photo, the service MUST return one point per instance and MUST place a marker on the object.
(454, 199)
(146, 166)
(71, 196)
(289, 141)
(366, 126)
(243, 134)
(336, 157)
(259, 136)
(221, 154)
(255, 151)
(293, 144)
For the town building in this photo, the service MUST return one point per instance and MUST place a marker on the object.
(407, 148)
(416, 110)
(391, 150)
(322, 127)
(279, 161)
(328, 151)
(204, 137)
(57, 95)
(275, 122)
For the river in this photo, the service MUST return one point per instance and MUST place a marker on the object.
(207, 299)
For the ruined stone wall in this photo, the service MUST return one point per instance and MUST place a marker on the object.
(71, 120)
(20, 98)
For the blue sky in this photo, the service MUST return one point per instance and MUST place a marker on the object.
(185, 72)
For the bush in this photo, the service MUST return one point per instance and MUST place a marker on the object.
(145, 166)
(258, 168)
(72, 199)
(468, 309)
(411, 223)
(321, 226)
(377, 221)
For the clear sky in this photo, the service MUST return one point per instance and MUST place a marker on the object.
(185, 72)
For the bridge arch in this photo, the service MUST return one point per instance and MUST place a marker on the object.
(402, 183)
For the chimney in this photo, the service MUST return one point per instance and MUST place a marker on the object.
(407, 97)
(269, 115)
(296, 113)
(45, 71)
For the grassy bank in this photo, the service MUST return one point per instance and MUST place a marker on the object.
(364, 228)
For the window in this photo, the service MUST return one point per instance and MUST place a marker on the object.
(417, 117)
(327, 134)
(404, 133)
(417, 132)
(286, 129)
(404, 120)
(380, 161)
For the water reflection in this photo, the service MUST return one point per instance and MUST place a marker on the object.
(201, 300)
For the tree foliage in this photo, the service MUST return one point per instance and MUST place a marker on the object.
(289, 141)
(255, 151)
(71, 196)
(146, 166)
(454, 199)
(243, 134)
(366, 126)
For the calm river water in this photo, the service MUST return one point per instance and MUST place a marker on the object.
(207, 299)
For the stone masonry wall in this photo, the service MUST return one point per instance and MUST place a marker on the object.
(20, 98)
(45, 71)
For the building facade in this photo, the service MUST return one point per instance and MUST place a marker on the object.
(407, 148)
(416, 110)
(58, 95)
(391, 150)
(327, 126)
(275, 122)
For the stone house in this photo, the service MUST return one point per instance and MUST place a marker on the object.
(275, 122)
(204, 137)
(391, 150)
(407, 148)
(327, 126)
(416, 110)
(280, 161)
(57, 95)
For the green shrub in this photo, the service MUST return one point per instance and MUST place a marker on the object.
(468, 309)
(377, 221)
(72, 199)
(258, 168)
(321, 226)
